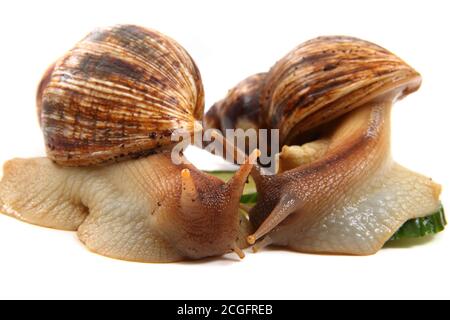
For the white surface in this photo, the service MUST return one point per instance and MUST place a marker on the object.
(229, 40)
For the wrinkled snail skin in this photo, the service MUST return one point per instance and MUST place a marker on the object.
(118, 94)
(350, 200)
(146, 210)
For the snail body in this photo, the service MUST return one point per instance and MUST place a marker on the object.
(146, 210)
(337, 190)
(107, 110)
(350, 200)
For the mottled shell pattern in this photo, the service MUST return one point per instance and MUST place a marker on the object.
(327, 77)
(240, 109)
(118, 94)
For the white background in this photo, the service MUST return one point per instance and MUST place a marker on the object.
(229, 40)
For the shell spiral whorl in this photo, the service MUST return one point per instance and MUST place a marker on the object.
(118, 94)
(317, 82)
(327, 77)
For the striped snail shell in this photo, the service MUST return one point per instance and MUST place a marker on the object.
(240, 109)
(118, 94)
(327, 77)
(317, 82)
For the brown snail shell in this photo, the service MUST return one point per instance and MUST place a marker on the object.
(327, 77)
(240, 109)
(118, 94)
(316, 83)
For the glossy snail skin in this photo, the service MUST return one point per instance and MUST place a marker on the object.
(146, 210)
(118, 94)
(337, 190)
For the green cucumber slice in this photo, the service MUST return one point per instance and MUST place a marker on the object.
(422, 227)
(249, 198)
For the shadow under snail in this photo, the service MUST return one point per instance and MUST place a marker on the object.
(107, 110)
(337, 190)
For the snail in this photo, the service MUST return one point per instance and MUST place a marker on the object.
(108, 109)
(338, 190)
